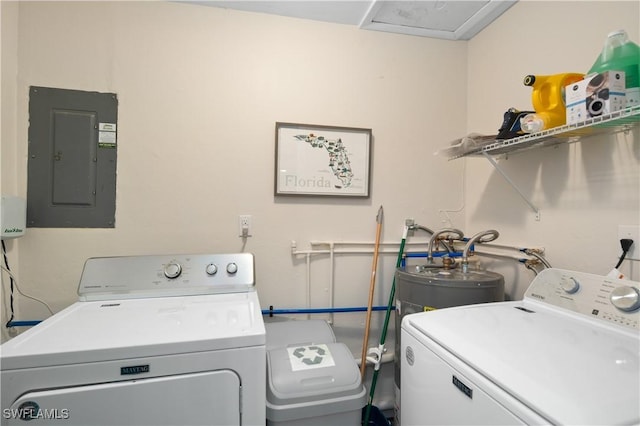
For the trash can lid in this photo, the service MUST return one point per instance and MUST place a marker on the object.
(311, 373)
(298, 332)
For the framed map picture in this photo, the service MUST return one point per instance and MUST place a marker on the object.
(322, 160)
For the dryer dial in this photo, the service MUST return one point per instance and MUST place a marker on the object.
(625, 298)
(232, 268)
(211, 269)
(172, 270)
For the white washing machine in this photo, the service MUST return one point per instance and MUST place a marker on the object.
(154, 340)
(568, 353)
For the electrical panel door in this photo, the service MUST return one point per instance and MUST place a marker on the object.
(72, 158)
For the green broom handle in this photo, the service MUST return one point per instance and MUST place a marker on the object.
(383, 336)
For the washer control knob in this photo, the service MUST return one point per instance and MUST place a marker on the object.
(232, 268)
(569, 285)
(172, 270)
(211, 269)
(625, 298)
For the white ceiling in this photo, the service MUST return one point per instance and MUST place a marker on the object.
(451, 20)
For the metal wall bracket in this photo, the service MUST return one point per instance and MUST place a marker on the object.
(513, 185)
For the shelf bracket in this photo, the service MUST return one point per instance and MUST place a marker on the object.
(513, 185)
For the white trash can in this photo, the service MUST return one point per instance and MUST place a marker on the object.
(311, 379)
(314, 385)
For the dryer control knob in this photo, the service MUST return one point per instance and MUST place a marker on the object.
(172, 270)
(232, 268)
(569, 285)
(211, 269)
(625, 298)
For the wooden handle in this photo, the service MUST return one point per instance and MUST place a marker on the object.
(372, 285)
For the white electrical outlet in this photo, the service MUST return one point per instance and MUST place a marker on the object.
(632, 232)
(244, 225)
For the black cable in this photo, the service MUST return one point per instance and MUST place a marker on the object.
(626, 244)
(6, 264)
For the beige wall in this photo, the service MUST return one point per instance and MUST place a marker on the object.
(8, 130)
(583, 190)
(201, 88)
(199, 92)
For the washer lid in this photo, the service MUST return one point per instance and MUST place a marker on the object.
(567, 369)
(116, 329)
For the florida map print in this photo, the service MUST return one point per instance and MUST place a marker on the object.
(338, 158)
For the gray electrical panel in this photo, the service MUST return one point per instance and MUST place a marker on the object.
(72, 158)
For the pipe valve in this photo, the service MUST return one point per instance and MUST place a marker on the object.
(454, 234)
(480, 237)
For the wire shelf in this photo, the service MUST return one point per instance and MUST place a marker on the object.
(615, 122)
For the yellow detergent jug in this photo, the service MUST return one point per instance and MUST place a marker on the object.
(548, 99)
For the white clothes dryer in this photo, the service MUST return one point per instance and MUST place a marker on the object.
(568, 353)
(153, 340)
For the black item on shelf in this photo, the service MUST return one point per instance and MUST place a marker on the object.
(510, 127)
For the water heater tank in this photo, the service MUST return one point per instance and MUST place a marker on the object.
(420, 288)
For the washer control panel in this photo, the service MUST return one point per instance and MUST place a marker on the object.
(123, 277)
(609, 299)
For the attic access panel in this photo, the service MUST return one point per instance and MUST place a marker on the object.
(451, 20)
(72, 159)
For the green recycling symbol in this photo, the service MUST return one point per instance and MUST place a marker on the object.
(317, 358)
(312, 356)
